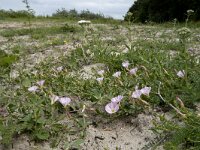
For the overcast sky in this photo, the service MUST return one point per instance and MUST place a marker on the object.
(114, 8)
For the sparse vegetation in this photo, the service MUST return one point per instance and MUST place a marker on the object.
(60, 78)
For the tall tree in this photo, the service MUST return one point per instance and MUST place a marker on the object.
(165, 10)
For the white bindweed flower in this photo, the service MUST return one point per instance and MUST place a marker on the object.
(101, 72)
(54, 98)
(117, 74)
(146, 90)
(125, 64)
(181, 73)
(41, 82)
(64, 101)
(59, 69)
(136, 94)
(112, 108)
(33, 89)
(100, 80)
(117, 99)
(133, 71)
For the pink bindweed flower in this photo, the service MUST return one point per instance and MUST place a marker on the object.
(133, 71)
(101, 72)
(54, 98)
(64, 101)
(112, 108)
(59, 69)
(146, 90)
(125, 64)
(117, 74)
(33, 89)
(136, 94)
(117, 99)
(181, 73)
(100, 80)
(41, 82)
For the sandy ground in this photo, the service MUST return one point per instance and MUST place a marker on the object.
(122, 134)
(126, 134)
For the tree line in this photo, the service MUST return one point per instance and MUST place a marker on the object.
(163, 10)
(60, 13)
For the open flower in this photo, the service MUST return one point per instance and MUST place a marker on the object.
(133, 71)
(146, 90)
(54, 98)
(33, 89)
(136, 94)
(101, 72)
(41, 82)
(59, 69)
(112, 108)
(100, 80)
(64, 101)
(181, 73)
(117, 74)
(125, 64)
(117, 99)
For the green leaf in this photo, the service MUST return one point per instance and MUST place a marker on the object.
(42, 134)
(26, 82)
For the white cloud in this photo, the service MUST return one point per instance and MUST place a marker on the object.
(114, 8)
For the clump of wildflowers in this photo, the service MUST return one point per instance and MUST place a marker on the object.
(113, 106)
(138, 93)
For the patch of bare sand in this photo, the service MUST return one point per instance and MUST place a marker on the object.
(125, 134)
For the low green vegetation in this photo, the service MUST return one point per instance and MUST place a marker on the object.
(132, 69)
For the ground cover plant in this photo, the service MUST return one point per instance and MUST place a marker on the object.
(64, 78)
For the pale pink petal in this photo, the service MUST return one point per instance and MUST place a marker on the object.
(133, 71)
(112, 108)
(101, 72)
(59, 69)
(64, 101)
(33, 89)
(54, 98)
(100, 80)
(117, 99)
(146, 90)
(117, 74)
(125, 64)
(41, 82)
(181, 73)
(136, 94)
